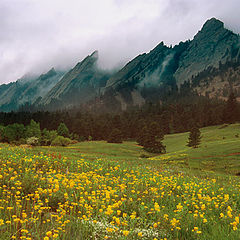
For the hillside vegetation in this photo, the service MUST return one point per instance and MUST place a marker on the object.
(97, 190)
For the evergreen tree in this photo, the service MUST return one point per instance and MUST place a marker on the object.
(151, 140)
(142, 136)
(231, 109)
(63, 130)
(33, 129)
(14, 132)
(194, 137)
(153, 144)
(155, 129)
(115, 136)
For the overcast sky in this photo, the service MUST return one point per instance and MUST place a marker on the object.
(36, 35)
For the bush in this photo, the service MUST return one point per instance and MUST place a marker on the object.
(33, 129)
(21, 141)
(32, 141)
(48, 137)
(13, 132)
(61, 141)
(82, 139)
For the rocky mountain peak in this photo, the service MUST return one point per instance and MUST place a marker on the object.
(52, 70)
(212, 30)
(212, 24)
(94, 54)
(49, 74)
(212, 44)
(88, 62)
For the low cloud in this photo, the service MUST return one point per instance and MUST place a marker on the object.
(37, 35)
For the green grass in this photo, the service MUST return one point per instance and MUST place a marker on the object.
(76, 192)
(219, 151)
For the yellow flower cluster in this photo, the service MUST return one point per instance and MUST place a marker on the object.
(44, 196)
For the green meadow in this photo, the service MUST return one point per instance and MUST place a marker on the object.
(218, 152)
(98, 190)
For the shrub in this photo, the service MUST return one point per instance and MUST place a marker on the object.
(61, 141)
(33, 129)
(48, 137)
(13, 132)
(32, 141)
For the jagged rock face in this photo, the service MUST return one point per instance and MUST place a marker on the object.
(219, 82)
(147, 71)
(153, 75)
(210, 63)
(79, 85)
(27, 90)
(213, 45)
(135, 71)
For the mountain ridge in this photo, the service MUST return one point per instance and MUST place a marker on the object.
(209, 65)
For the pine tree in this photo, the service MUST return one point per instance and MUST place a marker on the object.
(115, 136)
(194, 137)
(63, 130)
(142, 136)
(33, 129)
(231, 109)
(151, 140)
(153, 144)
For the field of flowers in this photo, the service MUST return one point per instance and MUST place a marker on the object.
(46, 195)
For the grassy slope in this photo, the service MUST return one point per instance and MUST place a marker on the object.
(219, 151)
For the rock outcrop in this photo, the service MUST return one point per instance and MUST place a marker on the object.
(79, 85)
(212, 46)
(209, 65)
(27, 90)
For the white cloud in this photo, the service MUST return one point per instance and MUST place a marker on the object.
(38, 34)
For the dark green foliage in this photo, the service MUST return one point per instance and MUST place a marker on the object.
(63, 130)
(9, 134)
(231, 111)
(194, 137)
(48, 136)
(1, 132)
(155, 130)
(151, 138)
(75, 137)
(142, 136)
(33, 130)
(115, 136)
(153, 144)
(61, 141)
(178, 115)
(13, 133)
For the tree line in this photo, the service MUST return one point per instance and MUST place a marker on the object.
(150, 120)
(32, 134)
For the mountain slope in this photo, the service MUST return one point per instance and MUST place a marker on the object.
(210, 63)
(79, 85)
(213, 45)
(27, 90)
(146, 78)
